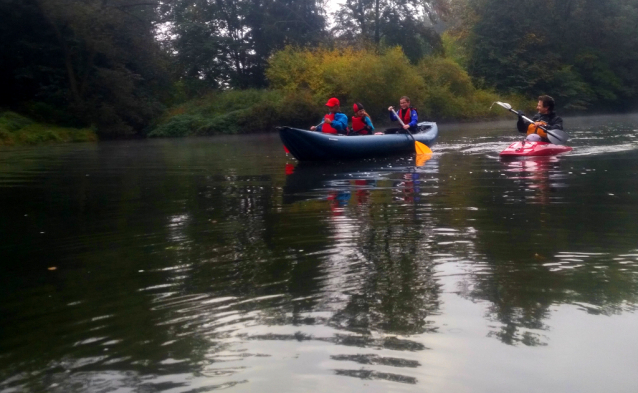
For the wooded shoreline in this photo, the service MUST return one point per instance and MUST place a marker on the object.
(124, 68)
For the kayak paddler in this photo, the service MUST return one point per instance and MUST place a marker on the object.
(545, 117)
(407, 113)
(361, 123)
(334, 122)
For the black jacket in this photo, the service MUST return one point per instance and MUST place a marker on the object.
(554, 121)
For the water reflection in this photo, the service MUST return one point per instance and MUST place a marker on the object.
(183, 268)
(537, 178)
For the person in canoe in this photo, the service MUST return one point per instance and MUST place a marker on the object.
(334, 122)
(407, 113)
(361, 123)
(546, 117)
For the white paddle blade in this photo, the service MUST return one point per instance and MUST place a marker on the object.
(504, 105)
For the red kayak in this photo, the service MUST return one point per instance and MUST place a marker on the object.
(526, 149)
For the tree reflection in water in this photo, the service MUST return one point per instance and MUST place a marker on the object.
(383, 276)
(192, 275)
(522, 264)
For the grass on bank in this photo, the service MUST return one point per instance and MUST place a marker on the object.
(239, 111)
(19, 130)
(303, 79)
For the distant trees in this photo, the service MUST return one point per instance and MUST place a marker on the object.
(226, 43)
(116, 64)
(408, 23)
(580, 51)
(83, 61)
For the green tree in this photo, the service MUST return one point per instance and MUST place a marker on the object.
(226, 43)
(97, 59)
(579, 51)
(408, 23)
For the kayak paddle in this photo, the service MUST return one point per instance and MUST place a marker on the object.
(420, 148)
(557, 137)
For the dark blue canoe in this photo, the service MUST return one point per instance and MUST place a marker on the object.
(316, 146)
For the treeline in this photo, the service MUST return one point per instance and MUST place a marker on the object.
(300, 81)
(176, 67)
(583, 53)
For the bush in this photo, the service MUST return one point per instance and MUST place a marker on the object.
(440, 88)
(303, 79)
(239, 111)
(352, 75)
(17, 129)
(11, 122)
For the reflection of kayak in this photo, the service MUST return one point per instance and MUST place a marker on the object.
(526, 149)
(314, 146)
(310, 177)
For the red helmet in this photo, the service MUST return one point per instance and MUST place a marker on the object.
(333, 102)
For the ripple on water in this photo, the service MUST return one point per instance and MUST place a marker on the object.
(192, 277)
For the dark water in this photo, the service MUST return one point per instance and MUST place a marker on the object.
(203, 264)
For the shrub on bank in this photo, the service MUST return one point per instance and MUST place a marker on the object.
(439, 87)
(303, 79)
(19, 130)
(239, 111)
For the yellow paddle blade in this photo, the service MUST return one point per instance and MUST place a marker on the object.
(421, 148)
(422, 158)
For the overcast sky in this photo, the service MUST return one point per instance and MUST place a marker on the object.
(332, 6)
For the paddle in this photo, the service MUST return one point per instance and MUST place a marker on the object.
(557, 137)
(420, 148)
(322, 121)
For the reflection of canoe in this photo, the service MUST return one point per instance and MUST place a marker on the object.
(317, 180)
(320, 178)
(526, 149)
(315, 146)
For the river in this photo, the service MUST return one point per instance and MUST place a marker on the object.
(195, 265)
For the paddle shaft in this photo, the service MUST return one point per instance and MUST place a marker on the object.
(403, 124)
(527, 119)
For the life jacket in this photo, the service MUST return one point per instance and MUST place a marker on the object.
(327, 128)
(406, 115)
(534, 129)
(359, 126)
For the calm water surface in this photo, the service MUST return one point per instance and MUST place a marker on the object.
(204, 264)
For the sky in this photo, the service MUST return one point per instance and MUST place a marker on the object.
(332, 6)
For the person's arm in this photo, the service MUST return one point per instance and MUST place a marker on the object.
(522, 125)
(368, 123)
(414, 118)
(393, 117)
(340, 123)
(318, 128)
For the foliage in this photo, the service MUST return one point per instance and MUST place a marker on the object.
(407, 23)
(454, 49)
(349, 74)
(19, 130)
(238, 111)
(115, 65)
(438, 87)
(226, 43)
(97, 60)
(583, 53)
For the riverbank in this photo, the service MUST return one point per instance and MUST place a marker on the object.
(258, 111)
(16, 130)
(301, 80)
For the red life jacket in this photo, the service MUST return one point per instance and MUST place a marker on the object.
(359, 126)
(327, 128)
(406, 115)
